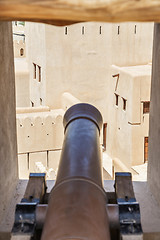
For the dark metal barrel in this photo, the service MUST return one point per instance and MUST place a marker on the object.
(77, 205)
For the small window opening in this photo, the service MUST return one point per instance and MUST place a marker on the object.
(21, 52)
(66, 30)
(28, 160)
(83, 30)
(39, 73)
(34, 70)
(124, 104)
(146, 107)
(116, 99)
(47, 158)
(100, 30)
(135, 29)
(32, 104)
(104, 135)
(145, 149)
(118, 30)
(40, 101)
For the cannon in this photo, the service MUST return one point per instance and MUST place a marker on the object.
(78, 206)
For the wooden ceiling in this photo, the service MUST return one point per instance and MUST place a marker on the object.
(65, 12)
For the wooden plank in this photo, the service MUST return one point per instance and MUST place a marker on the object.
(123, 186)
(64, 12)
(35, 188)
(18, 237)
(132, 237)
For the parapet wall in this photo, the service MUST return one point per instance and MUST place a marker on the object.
(40, 138)
(39, 133)
(68, 100)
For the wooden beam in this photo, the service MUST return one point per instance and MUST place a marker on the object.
(36, 188)
(65, 12)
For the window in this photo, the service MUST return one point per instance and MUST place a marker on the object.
(104, 135)
(28, 160)
(35, 74)
(83, 30)
(32, 104)
(100, 30)
(116, 99)
(145, 149)
(66, 30)
(118, 30)
(124, 104)
(21, 52)
(146, 106)
(135, 29)
(39, 73)
(40, 101)
(34, 70)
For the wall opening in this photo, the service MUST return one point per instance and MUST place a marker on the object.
(100, 30)
(32, 104)
(39, 73)
(83, 30)
(28, 160)
(66, 31)
(146, 107)
(118, 30)
(124, 104)
(117, 98)
(104, 136)
(34, 71)
(145, 149)
(135, 29)
(21, 52)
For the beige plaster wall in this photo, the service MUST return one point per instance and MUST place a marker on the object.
(8, 142)
(77, 59)
(39, 133)
(18, 45)
(40, 138)
(18, 40)
(36, 53)
(68, 100)
(132, 47)
(126, 129)
(32, 110)
(43, 161)
(79, 63)
(22, 83)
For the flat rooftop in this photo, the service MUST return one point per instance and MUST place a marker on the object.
(138, 70)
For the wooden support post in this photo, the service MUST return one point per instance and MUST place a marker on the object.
(154, 121)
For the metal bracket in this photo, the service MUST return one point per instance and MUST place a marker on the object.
(129, 217)
(25, 219)
(25, 213)
(129, 210)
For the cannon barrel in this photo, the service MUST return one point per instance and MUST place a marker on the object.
(77, 204)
